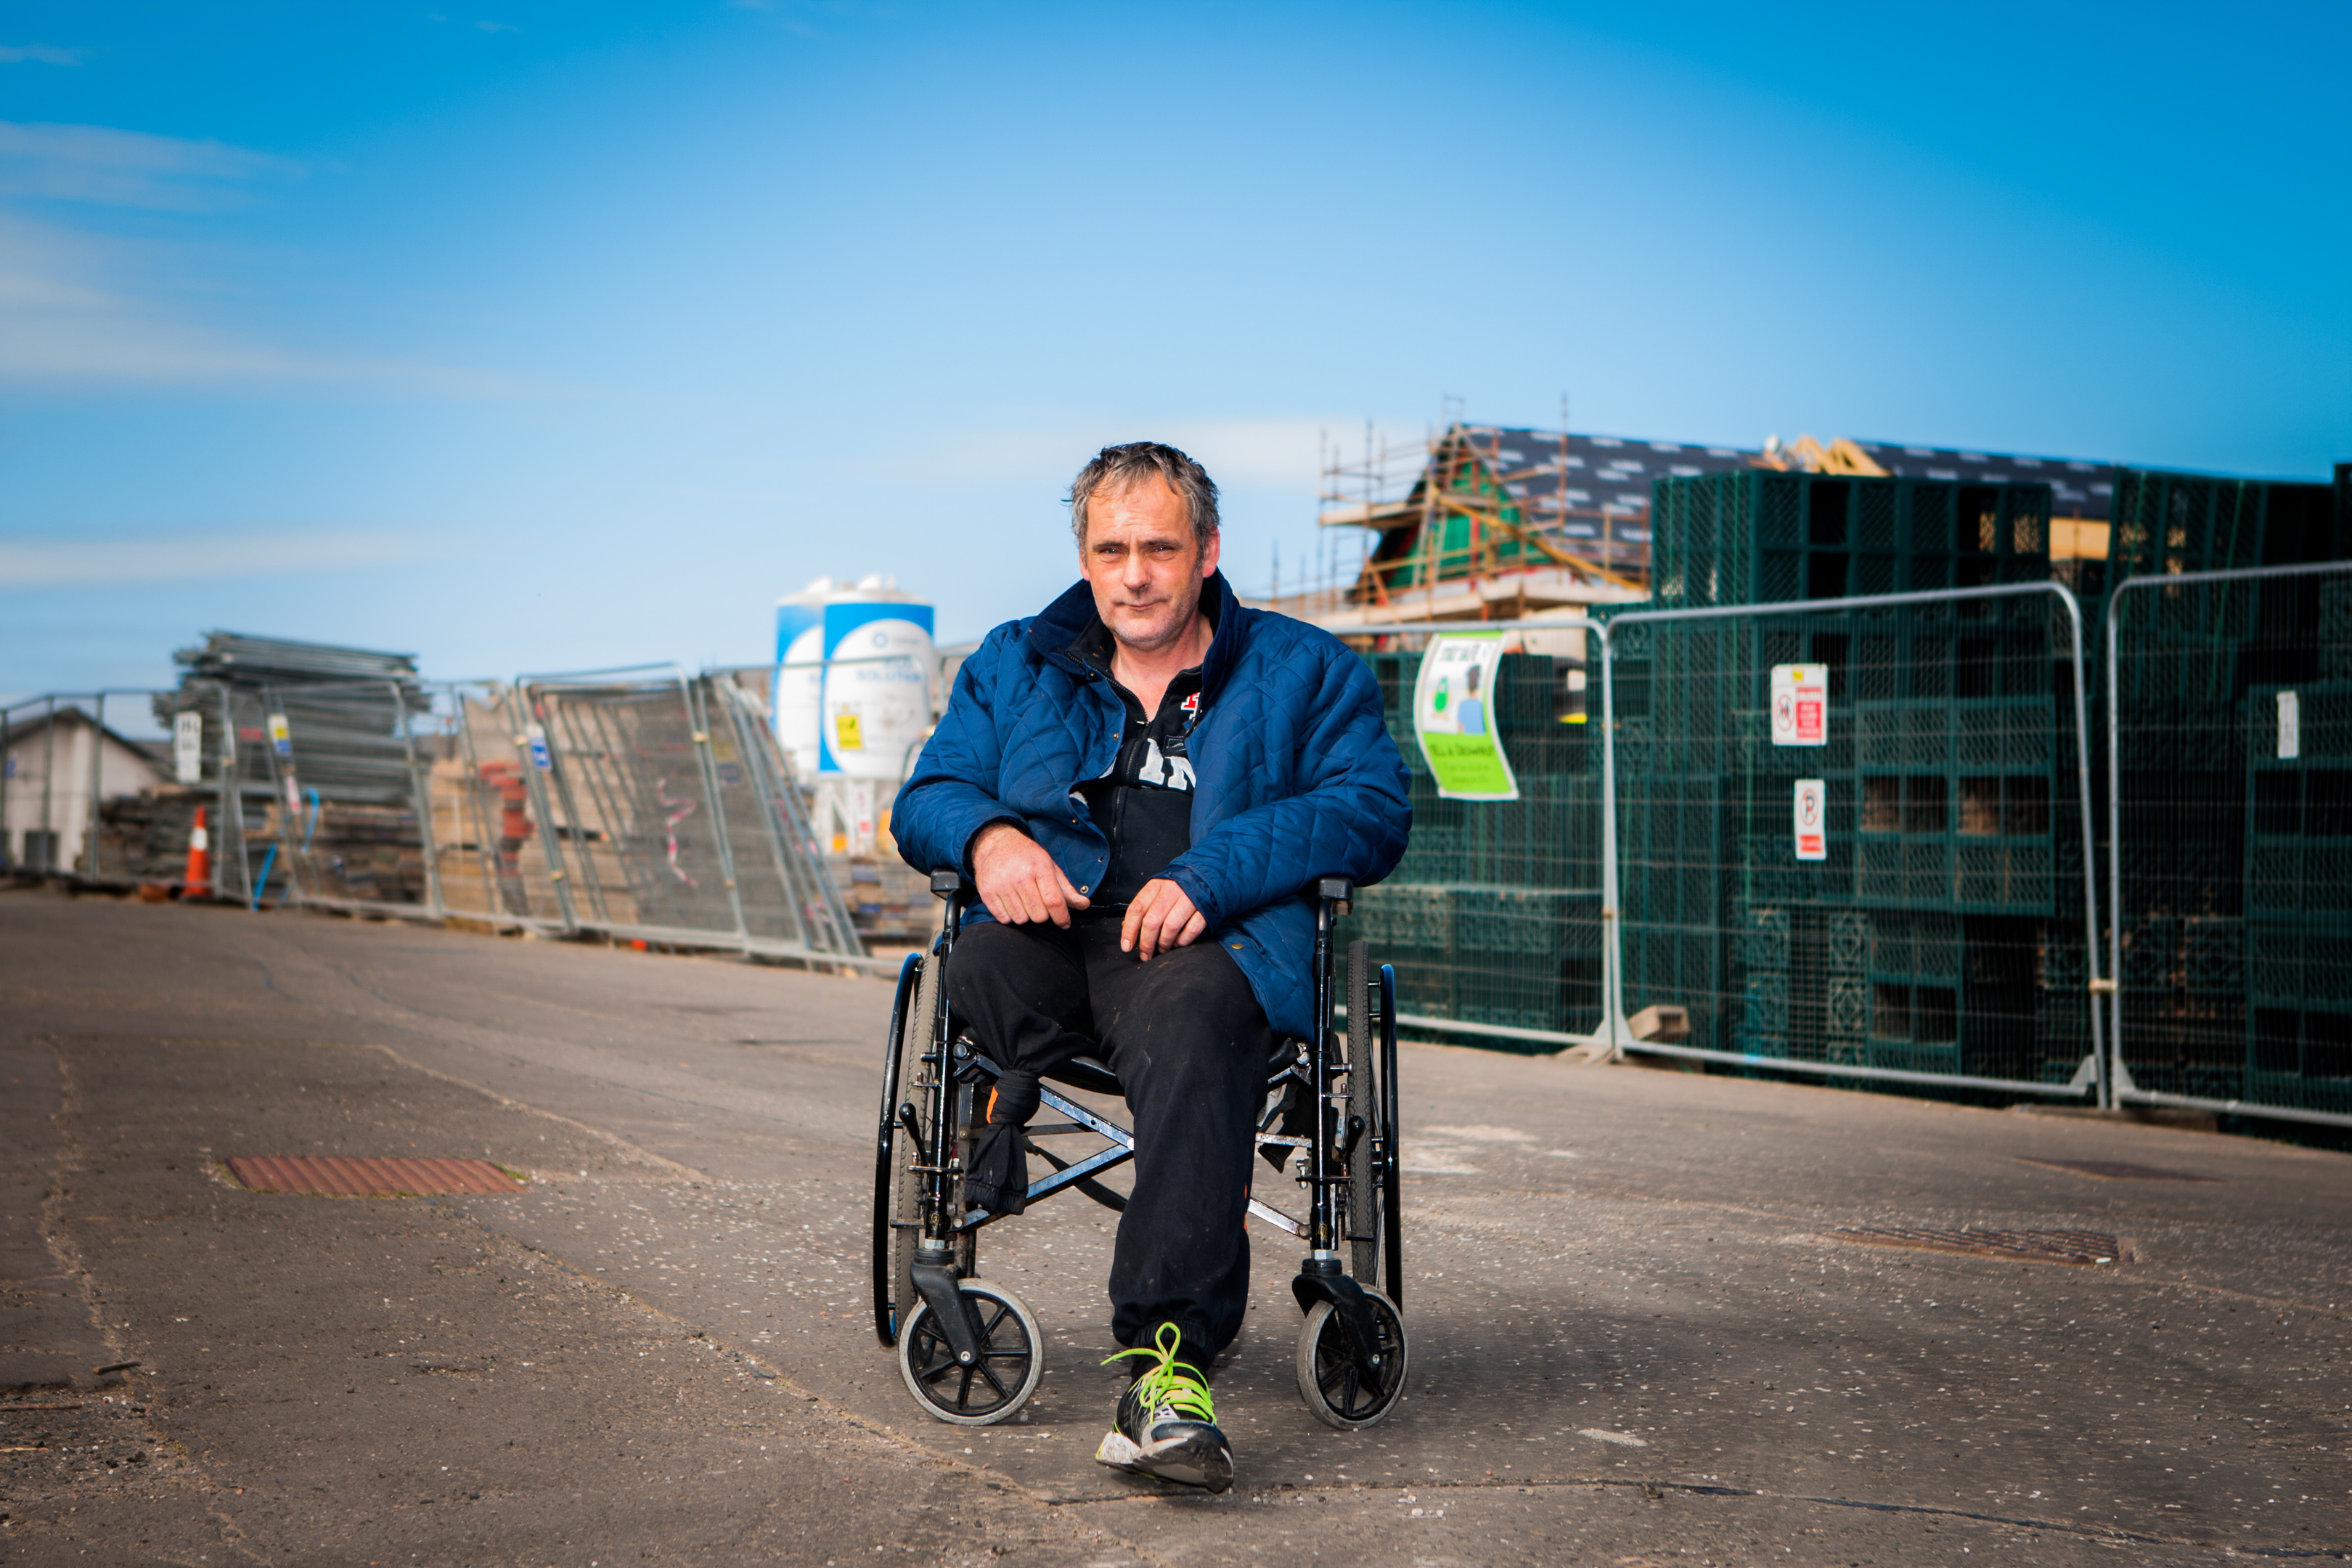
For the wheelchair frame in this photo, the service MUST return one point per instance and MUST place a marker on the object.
(1352, 1350)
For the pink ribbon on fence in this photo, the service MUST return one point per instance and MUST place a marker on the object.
(678, 811)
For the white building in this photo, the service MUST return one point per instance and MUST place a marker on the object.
(52, 767)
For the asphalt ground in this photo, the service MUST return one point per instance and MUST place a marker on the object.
(1634, 1338)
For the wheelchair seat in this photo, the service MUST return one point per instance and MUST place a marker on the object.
(1092, 1075)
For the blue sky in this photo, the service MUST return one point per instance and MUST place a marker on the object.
(532, 335)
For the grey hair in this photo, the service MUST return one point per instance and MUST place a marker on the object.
(1116, 468)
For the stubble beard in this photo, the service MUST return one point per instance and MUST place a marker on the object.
(1170, 628)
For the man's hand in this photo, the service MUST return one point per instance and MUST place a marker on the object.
(1161, 920)
(1018, 882)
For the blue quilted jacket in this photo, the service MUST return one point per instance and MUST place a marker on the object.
(1294, 776)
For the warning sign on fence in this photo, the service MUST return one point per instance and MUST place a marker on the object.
(1812, 819)
(188, 748)
(1800, 704)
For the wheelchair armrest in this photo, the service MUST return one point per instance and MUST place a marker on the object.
(1337, 891)
(947, 884)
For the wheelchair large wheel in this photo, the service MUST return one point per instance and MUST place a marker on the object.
(898, 1209)
(886, 1136)
(1366, 1192)
(1336, 1390)
(1392, 1165)
(1012, 1359)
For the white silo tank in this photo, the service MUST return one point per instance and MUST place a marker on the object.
(878, 680)
(800, 672)
(855, 672)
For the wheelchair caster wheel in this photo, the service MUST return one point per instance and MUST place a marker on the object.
(1012, 1359)
(1336, 1389)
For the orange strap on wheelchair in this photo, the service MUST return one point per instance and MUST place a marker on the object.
(990, 1114)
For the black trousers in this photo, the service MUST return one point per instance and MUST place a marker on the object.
(1191, 1047)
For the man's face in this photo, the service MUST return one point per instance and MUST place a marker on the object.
(1142, 564)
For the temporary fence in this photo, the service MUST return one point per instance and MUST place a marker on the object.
(495, 864)
(655, 807)
(1855, 834)
(1494, 918)
(1935, 920)
(1941, 929)
(669, 815)
(2229, 739)
(345, 827)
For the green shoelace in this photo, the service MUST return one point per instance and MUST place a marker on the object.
(1172, 1382)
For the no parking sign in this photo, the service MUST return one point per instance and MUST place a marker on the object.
(1813, 820)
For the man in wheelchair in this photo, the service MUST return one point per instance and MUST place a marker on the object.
(1144, 783)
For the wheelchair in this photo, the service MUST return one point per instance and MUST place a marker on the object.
(971, 1352)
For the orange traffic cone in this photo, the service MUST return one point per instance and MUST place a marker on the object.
(198, 882)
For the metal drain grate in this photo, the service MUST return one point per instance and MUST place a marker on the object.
(360, 1178)
(2117, 1170)
(2040, 1246)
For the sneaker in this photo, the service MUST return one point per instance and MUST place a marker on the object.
(1166, 1425)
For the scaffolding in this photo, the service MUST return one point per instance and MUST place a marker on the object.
(1480, 522)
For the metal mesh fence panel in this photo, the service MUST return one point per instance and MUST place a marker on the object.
(239, 778)
(1930, 918)
(1902, 892)
(630, 800)
(1493, 919)
(788, 895)
(668, 814)
(502, 854)
(347, 828)
(655, 806)
(2229, 772)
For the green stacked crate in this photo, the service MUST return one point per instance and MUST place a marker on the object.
(1958, 805)
(1760, 955)
(1526, 958)
(1914, 974)
(1804, 992)
(1764, 537)
(2298, 896)
(1410, 926)
(1671, 872)
(1702, 543)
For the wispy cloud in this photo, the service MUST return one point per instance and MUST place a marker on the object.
(496, 27)
(103, 166)
(63, 321)
(40, 55)
(56, 326)
(1255, 451)
(27, 564)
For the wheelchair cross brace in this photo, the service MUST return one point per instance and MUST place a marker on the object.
(1081, 1173)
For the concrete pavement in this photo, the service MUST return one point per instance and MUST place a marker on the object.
(1633, 1340)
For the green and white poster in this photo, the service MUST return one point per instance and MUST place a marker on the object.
(1454, 717)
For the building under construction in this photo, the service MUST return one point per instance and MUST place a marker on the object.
(1486, 523)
